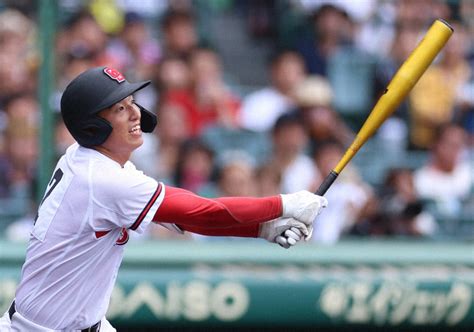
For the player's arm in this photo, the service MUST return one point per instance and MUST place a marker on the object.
(284, 231)
(251, 230)
(186, 209)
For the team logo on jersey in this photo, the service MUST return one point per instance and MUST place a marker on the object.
(123, 237)
(114, 74)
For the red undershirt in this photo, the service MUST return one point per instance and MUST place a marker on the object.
(226, 216)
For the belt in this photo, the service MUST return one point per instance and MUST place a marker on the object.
(93, 328)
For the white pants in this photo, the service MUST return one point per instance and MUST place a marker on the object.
(18, 323)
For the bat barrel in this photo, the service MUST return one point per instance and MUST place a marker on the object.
(406, 77)
(446, 23)
(398, 88)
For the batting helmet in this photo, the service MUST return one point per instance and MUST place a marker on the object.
(91, 92)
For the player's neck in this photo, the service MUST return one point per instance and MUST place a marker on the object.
(120, 158)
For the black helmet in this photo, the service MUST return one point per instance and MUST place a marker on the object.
(91, 92)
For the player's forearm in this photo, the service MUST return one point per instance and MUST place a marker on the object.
(185, 208)
(239, 231)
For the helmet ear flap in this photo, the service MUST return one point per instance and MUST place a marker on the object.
(94, 132)
(148, 120)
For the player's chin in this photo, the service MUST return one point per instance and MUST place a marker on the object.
(136, 141)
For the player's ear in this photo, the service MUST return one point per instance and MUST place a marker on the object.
(94, 131)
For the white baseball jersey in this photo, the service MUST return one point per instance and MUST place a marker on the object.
(76, 245)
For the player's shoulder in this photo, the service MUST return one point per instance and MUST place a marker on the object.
(101, 171)
(112, 179)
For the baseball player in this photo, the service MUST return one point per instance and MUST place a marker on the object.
(96, 196)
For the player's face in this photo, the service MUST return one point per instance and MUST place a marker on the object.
(126, 135)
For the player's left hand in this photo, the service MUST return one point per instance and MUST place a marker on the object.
(303, 206)
(287, 232)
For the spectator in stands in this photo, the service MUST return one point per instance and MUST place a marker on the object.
(173, 73)
(209, 101)
(376, 32)
(354, 196)
(404, 42)
(71, 64)
(398, 211)
(466, 12)
(195, 167)
(314, 99)
(17, 57)
(447, 178)
(435, 97)
(179, 31)
(288, 156)
(159, 154)
(268, 179)
(15, 78)
(422, 13)
(236, 175)
(83, 32)
(135, 49)
(332, 28)
(22, 137)
(15, 31)
(262, 108)
(76, 60)
(213, 94)
(465, 114)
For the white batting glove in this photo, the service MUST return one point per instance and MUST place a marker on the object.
(284, 231)
(289, 238)
(303, 206)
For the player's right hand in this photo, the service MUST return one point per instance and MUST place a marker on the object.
(289, 238)
(284, 231)
(303, 206)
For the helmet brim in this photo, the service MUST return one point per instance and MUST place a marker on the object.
(123, 91)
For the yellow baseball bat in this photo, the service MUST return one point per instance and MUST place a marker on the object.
(398, 88)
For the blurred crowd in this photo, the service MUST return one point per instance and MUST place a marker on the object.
(329, 63)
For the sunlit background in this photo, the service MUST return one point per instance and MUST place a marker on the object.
(257, 98)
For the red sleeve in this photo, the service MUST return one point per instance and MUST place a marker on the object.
(240, 230)
(184, 208)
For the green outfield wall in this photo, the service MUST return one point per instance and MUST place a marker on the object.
(251, 283)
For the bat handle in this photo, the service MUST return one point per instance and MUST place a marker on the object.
(328, 181)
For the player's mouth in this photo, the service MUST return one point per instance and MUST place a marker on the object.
(136, 130)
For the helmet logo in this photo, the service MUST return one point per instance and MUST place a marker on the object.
(114, 74)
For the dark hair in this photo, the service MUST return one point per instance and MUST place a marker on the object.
(133, 17)
(276, 57)
(77, 17)
(175, 15)
(185, 149)
(316, 149)
(329, 8)
(393, 173)
(442, 129)
(288, 119)
(79, 52)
